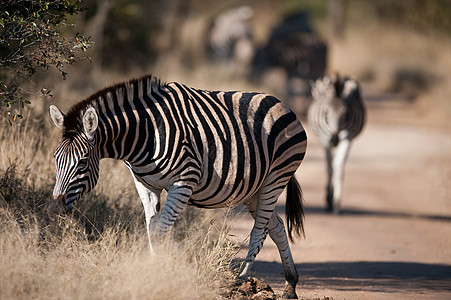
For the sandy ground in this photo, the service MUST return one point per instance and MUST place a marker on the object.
(393, 238)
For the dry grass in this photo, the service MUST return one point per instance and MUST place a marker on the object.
(38, 263)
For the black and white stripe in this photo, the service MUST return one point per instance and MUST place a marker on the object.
(206, 148)
(336, 116)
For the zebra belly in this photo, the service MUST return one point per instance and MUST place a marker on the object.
(225, 192)
(217, 202)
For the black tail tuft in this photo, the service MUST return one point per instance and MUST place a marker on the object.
(293, 209)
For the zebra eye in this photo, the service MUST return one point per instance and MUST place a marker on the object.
(83, 163)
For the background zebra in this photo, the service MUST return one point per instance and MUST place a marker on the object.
(336, 116)
(299, 52)
(208, 149)
(295, 47)
(229, 36)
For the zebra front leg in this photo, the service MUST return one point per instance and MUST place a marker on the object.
(338, 163)
(151, 202)
(330, 186)
(178, 195)
(279, 236)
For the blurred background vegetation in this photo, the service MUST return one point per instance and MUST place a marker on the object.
(397, 45)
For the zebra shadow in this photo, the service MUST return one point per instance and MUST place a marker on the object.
(363, 276)
(360, 212)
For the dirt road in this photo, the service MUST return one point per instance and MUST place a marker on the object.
(393, 238)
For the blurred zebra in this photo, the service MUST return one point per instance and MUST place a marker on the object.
(294, 47)
(229, 36)
(336, 116)
(207, 149)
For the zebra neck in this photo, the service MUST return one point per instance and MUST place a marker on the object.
(124, 136)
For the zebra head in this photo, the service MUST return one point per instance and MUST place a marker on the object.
(350, 88)
(76, 158)
(330, 87)
(323, 89)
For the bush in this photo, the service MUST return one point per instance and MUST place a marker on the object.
(31, 38)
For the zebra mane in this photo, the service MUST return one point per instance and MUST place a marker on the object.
(73, 120)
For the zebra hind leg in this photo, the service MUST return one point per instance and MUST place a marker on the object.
(273, 224)
(278, 234)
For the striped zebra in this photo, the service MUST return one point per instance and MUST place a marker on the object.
(294, 47)
(336, 116)
(209, 149)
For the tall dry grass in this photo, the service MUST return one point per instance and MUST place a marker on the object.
(100, 251)
(64, 263)
(39, 263)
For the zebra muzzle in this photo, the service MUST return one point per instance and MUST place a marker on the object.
(56, 206)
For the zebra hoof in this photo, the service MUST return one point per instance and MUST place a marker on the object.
(239, 280)
(289, 292)
(336, 208)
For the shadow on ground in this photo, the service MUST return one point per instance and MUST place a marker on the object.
(378, 213)
(364, 276)
(358, 212)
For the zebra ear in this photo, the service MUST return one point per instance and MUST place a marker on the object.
(314, 88)
(57, 116)
(90, 121)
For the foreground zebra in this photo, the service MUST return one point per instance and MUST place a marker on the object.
(336, 116)
(208, 149)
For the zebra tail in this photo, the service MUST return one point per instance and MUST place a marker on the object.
(294, 210)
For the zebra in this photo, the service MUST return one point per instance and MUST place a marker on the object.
(229, 37)
(209, 149)
(295, 47)
(336, 116)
